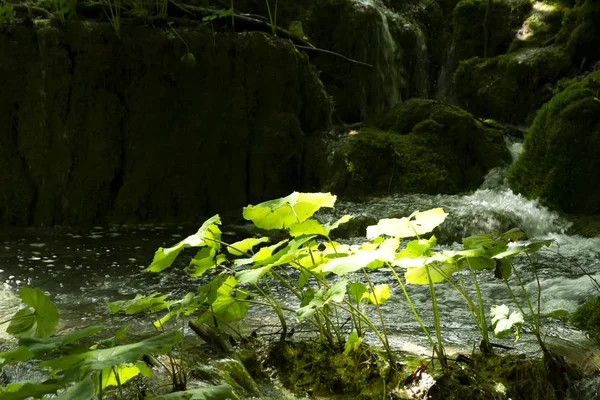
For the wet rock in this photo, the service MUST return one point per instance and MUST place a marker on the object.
(559, 164)
(510, 88)
(94, 128)
(587, 318)
(505, 18)
(421, 146)
(581, 32)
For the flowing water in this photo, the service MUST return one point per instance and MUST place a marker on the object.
(84, 271)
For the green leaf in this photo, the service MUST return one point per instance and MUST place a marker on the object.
(242, 247)
(362, 259)
(417, 248)
(329, 227)
(477, 263)
(418, 223)
(21, 353)
(202, 262)
(352, 343)
(163, 258)
(308, 227)
(83, 390)
(152, 303)
(125, 372)
(322, 297)
(357, 290)
(484, 240)
(503, 268)
(42, 346)
(227, 307)
(27, 389)
(129, 353)
(438, 272)
(221, 392)
(286, 211)
(512, 235)
(503, 323)
(252, 275)
(381, 293)
(38, 321)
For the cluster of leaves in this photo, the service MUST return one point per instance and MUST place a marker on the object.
(330, 282)
(75, 370)
(327, 278)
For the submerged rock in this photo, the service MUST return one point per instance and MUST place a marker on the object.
(560, 164)
(93, 128)
(421, 146)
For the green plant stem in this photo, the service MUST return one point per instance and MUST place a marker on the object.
(118, 379)
(351, 309)
(439, 349)
(412, 306)
(383, 329)
(482, 320)
(287, 284)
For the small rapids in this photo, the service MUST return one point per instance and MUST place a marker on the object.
(83, 272)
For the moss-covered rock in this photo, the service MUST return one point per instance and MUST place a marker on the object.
(369, 32)
(560, 163)
(587, 318)
(422, 146)
(94, 128)
(505, 18)
(511, 87)
(540, 28)
(581, 31)
(315, 368)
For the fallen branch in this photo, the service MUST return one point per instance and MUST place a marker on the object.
(332, 53)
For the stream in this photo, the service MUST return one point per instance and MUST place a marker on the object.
(84, 271)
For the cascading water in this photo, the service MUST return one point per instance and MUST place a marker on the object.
(83, 272)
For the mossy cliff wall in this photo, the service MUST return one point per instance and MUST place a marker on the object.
(94, 129)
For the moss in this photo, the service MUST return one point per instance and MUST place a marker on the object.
(559, 164)
(510, 88)
(424, 147)
(318, 369)
(587, 318)
(581, 31)
(540, 28)
(95, 128)
(505, 18)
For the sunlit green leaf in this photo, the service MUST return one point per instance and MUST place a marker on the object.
(124, 371)
(503, 323)
(483, 240)
(362, 259)
(357, 291)
(163, 258)
(418, 223)
(477, 263)
(335, 293)
(202, 262)
(437, 272)
(287, 211)
(417, 248)
(331, 226)
(352, 343)
(380, 294)
(39, 320)
(308, 227)
(242, 247)
(227, 307)
(252, 275)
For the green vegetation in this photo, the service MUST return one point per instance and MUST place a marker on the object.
(559, 162)
(423, 146)
(587, 318)
(330, 283)
(511, 87)
(503, 20)
(581, 32)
